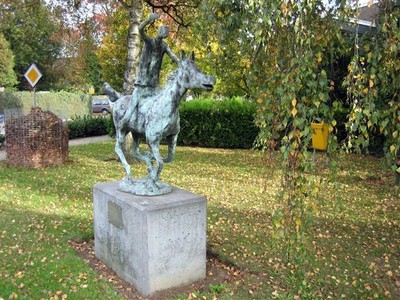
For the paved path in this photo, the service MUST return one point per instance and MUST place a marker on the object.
(75, 142)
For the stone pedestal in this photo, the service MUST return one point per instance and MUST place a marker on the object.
(154, 243)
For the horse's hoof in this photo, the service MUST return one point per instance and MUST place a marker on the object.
(151, 186)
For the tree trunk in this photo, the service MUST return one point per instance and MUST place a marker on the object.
(132, 64)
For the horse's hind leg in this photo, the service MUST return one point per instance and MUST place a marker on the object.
(171, 141)
(119, 144)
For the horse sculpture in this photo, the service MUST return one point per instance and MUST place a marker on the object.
(155, 116)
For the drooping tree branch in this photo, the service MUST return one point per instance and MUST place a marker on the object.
(176, 10)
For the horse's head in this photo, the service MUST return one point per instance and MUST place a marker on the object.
(192, 76)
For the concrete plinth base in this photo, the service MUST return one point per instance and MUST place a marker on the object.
(154, 243)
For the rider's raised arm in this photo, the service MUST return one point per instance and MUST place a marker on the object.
(143, 25)
(171, 54)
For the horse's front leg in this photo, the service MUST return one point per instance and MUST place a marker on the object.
(119, 144)
(146, 157)
(171, 141)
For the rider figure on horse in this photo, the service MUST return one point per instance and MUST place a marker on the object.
(152, 55)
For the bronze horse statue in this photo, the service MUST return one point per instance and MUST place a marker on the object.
(155, 116)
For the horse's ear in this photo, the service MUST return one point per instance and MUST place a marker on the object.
(183, 55)
(192, 56)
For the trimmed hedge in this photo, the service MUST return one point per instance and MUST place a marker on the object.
(218, 124)
(215, 124)
(88, 125)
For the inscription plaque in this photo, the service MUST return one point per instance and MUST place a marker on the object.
(115, 214)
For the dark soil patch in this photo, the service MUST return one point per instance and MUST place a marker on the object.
(217, 273)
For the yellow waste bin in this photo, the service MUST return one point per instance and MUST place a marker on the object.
(320, 135)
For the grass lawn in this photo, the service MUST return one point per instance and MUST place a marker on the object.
(353, 250)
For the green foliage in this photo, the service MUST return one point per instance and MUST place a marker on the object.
(111, 126)
(88, 126)
(213, 123)
(219, 124)
(63, 104)
(217, 288)
(7, 75)
(224, 55)
(29, 27)
(93, 75)
(9, 100)
(282, 49)
(373, 87)
(112, 54)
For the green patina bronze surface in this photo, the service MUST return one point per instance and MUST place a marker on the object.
(152, 112)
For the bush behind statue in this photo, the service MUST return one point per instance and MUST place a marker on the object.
(86, 126)
(225, 123)
(212, 123)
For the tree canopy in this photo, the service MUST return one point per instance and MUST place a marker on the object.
(7, 74)
(29, 27)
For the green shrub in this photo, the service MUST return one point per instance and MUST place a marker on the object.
(88, 126)
(210, 123)
(111, 126)
(1, 140)
(219, 124)
(376, 141)
(9, 100)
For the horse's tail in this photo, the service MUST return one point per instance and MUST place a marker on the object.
(111, 93)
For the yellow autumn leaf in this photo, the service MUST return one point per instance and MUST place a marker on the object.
(294, 101)
(371, 83)
(315, 191)
(319, 57)
(298, 224)
(294, 111)
(392, 148)
(365, 91)
(284, 8)
(334, 123)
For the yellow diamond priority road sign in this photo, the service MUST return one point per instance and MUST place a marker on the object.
(33, 75)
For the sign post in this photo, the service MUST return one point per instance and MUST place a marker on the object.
(33, 75)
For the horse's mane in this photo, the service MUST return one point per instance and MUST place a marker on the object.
(173, 75)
